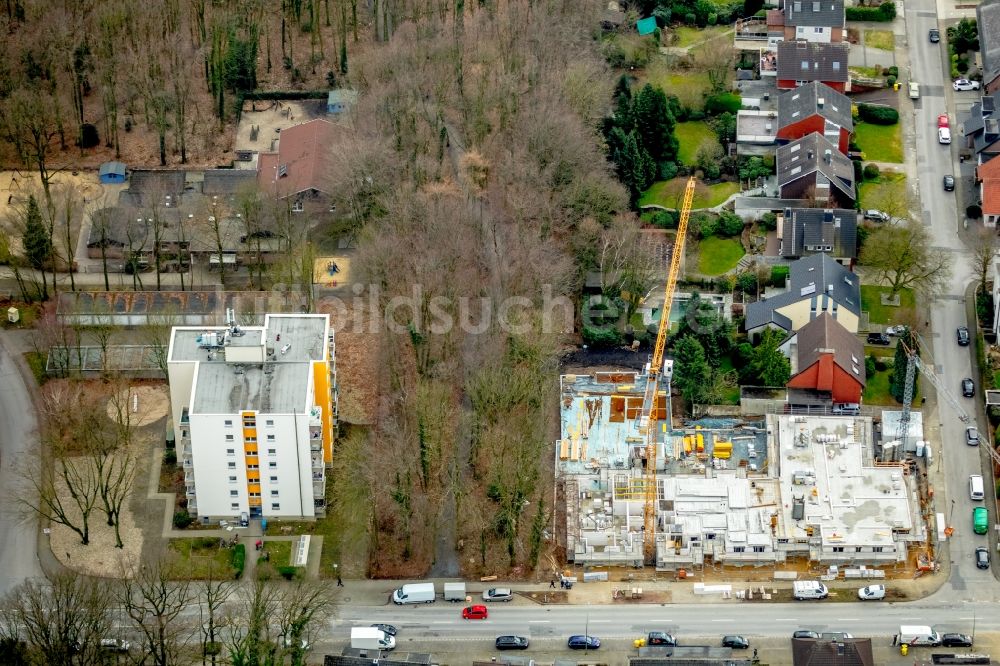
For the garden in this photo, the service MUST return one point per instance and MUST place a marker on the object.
(204, 558)
(877, 133)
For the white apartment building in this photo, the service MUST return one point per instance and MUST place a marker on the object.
(255, 409)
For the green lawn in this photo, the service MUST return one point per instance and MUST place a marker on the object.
(885, 314)
(690, 136)
(877, 390)
(280, 552)
(718, 255)
(880, 143)
(889, 186)
(674, 80)
(866, 72)
(201, 558)
(663, 193)
(732, 396)
(688, 35)
(880, 39)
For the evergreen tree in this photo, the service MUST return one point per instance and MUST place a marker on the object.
(636, 169)
(37, 241)
(768, 366)
(690, 369)
(654, 123)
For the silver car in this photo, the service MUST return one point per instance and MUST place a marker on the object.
(498, 594)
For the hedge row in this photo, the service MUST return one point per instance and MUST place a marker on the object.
(878, 115)
(883, 13)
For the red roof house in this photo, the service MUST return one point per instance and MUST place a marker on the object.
(300, 166)
(815, 107)
(988, 177)
(828, 359)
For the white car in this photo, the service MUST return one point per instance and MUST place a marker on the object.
(944, 135)
(965, 84)
(872, 593)
(914, 90)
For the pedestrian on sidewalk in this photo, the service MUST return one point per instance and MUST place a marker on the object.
(340, 583)
(552, 584)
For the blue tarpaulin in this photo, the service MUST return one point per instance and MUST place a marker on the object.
(646, 26)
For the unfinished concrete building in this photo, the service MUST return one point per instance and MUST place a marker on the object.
(728, 493)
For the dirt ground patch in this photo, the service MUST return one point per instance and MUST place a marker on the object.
(146, 404)
(269, 117)
(357, 354)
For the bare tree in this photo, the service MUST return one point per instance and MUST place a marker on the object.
(903, 257)
(628, 269)
(154, 603)
(716, 58)
(62, 620)
(250, 636)
(214, 593)
(101, 223)
(302, 606)
(158, 329)
(984, 255)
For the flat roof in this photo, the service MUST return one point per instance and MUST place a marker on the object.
(293, 337)
(827, 463)
(224, 388)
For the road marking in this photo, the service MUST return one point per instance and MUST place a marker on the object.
(538, 621)
(847, 619)
(786, 619)
(723, 620)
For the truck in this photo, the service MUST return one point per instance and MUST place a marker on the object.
(414, 593)
(915, 634)
(454, 591)
(809, 589)
(371, 638)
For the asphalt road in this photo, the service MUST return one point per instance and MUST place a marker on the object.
(18, 534)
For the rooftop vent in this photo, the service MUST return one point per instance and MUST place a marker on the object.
(820, 102)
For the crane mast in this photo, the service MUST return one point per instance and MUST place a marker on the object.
(648, 418)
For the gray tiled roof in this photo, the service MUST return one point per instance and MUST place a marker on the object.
(810, 227)
(825, 333)
(820, 276)
(988, 18)
(813, 153)
(812, 61)
(815, 13)
(227, 181)
(983, 123)
(815, 98)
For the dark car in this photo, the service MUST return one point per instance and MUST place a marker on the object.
(805, 633)
(878, 339)
(580, 642)
(956, 640)
(387, 629)
(982, 558)
(660, 638)
(949, 183)
(935, 35)
(968, 387)
(512, 643)
(963, 336)
(735, 642)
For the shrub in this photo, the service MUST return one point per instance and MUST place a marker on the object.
(668, 170)
(973, 212)
(703, 225)
(170, 457)
(182, 519)
(859, 173)
(290, 573)
(713, 18)
(729, 224)
(871, 172)
(769, 221)
(887, 10)
(963, 65)
(891, 81)
(866, 14)
(600, 337)
(690, 18)
(89, 136)
(696, 114)
(665, 219)
(870, 367)
(723, 103)
(878, 115)
(880, 364)
(239, 559)
(747, 282)
(893, 71)
(779, 275)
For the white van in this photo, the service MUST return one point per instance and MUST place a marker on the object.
(371, 638)
(918, 635)
(944, 135)
(976, 491)
(414, 593)
(809, 589)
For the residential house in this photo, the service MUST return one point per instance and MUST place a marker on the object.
(800, 62)
(816, 284)
(815, 20)
(828, 363)
(111, 173)
(988, 21)
(982, 128)
(756, 132)
(340, 100)
(824, 652)
(806, 231)
(815, 107)
(813, 168)
(297, 172)
(988, 178)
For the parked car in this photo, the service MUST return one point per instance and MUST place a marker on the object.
(835, 635)
(512, 643)
(935, 35)
(735, 642)
(477, 612)
(876, 215)
(943, 120)
(963, 336)
(660, 638)
(968, 387)
(580, 642)
(387, 629)
(914, 88)
(956, 640)
(972, 436)
(980, 520)
(872, 592)
(949, 183)
(805, 633)
(965, 84)
(982, 558)
(878, 339)
(498, 594)
(944, 135)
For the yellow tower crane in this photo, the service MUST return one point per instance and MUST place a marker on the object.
(648, 418)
